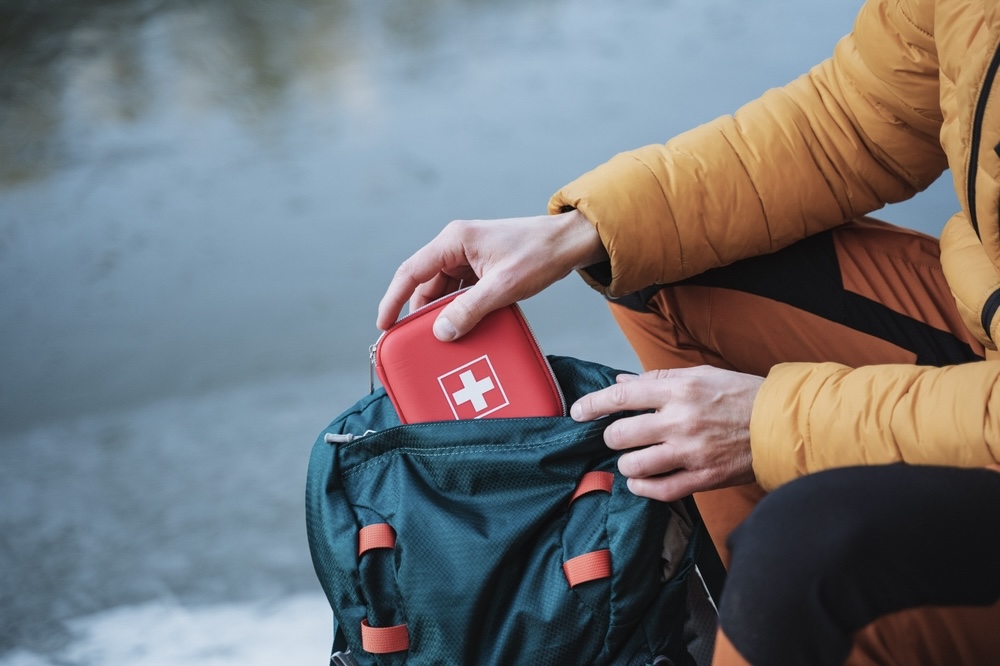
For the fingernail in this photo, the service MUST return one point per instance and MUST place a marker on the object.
(576, 411)
(444, 330)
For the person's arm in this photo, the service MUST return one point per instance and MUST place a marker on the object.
(506, 261)
(858, 131)
(808, 417)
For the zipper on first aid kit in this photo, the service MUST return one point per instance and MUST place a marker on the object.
(371, 366)
(373, 349)
(545, 359)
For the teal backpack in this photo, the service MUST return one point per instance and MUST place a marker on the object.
(502, 541)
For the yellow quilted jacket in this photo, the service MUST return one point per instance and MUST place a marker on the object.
(911, 92)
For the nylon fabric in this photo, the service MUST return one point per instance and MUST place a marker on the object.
(483, 522)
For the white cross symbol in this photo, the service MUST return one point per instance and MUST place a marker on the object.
(473, 390)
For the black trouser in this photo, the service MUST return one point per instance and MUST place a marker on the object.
(825, 555)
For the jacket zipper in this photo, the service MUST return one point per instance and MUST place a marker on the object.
(989, 309)
(977, 131)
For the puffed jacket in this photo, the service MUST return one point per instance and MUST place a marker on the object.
(911, 92)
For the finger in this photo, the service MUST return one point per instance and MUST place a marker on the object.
(438, 286)
(622, 396)
(669, 488)
(636, 431)
(654, 460)
(396, 294)
(468, 309)
(432, 259)
(649, 374)
(404, 284)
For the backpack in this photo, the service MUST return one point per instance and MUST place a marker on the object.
(502, 541)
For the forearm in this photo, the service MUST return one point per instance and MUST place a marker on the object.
(835, 144)
(810, 417)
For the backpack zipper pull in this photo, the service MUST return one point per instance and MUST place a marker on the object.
(344, 438)
(371, 369)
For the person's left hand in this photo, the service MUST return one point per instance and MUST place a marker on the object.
(696, 438)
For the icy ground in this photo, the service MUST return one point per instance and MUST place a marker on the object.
(169, 535)
(288, 631)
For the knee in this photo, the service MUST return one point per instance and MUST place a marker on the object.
(792, 576)
(803, 532)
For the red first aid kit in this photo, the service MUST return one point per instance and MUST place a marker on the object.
(496, 370)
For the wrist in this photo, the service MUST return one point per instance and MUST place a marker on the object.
(584, 242)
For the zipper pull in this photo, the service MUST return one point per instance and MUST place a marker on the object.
(346, 438)
(371, 369)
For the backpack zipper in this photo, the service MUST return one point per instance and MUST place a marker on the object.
(345, 438)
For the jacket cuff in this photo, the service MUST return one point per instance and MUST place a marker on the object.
(779, 422)
(625, 203)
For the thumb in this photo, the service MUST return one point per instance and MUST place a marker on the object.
(464, 312)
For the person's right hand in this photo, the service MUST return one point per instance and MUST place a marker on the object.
(505, 260)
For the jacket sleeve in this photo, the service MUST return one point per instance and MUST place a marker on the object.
(810, 417)
(858, 131)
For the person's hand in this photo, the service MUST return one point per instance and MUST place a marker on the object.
(506, 261)
(697, 436)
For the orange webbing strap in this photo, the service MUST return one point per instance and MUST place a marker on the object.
(380, 640)
(592, 481)
(379, 535)
(587, 567)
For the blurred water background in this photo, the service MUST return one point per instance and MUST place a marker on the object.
(200, 205)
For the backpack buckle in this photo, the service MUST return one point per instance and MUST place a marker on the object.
(339, 658)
